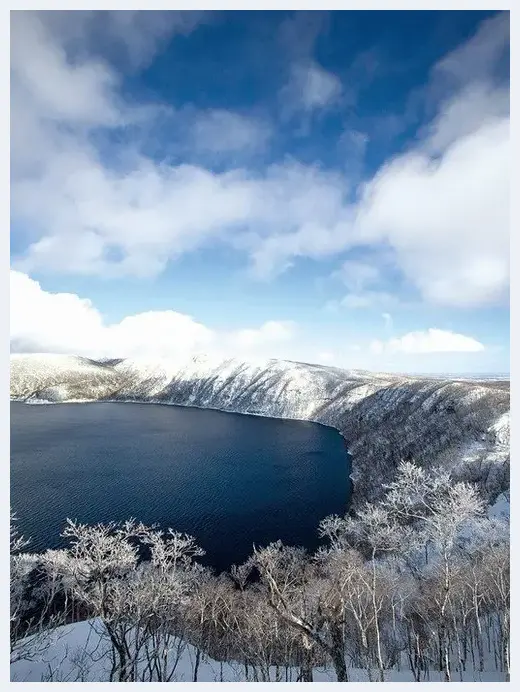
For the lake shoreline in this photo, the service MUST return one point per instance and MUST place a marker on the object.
(280, 462)
(41, 402)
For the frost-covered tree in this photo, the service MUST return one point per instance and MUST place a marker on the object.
(32, 619)
(375, 531)
(294, 593)
(439, 511)
(417, 579)
(138, 601)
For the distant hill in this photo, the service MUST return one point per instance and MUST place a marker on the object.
(457, 421)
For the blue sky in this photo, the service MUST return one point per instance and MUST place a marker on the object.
(330, 187)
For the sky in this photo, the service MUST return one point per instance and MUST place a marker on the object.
(326, 187)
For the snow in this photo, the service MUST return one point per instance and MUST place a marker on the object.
(79, 653)
(383, 417)
(501, 508)
(501, 429)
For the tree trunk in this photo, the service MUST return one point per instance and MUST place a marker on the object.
(376, 620)
(305, 673)
(340, 667)
(338, 652)
(197, 663)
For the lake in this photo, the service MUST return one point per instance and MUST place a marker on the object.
(230, 480)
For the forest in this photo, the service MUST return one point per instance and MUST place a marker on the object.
(416, 581)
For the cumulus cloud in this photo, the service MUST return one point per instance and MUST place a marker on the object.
(429, 341)
(98, 222)
(47, 86)
(65, 323)
(442, 207)
(42, 321)
(152, 214)
(447, 220)
(477, 105)
(38, 320)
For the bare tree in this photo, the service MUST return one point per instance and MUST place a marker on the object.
(375, 530)
(419, 578)
(33, 624)
(439, 510)
(290, 579)
(137, 601)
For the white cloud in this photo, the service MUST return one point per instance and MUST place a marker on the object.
(64, 323)
(221, 131)
(42, 321)
(271, 332)
(476, 59)
(429, 341)
(148, 216)
(158, 333)
(365, 283)
(310, 88)
(130, 37)
(81, 93)
(476, 106)
(442, 207)
(61, 322)
(356, 301)
(357, 275)
(132, 217)
(151, 214)
(447, 220)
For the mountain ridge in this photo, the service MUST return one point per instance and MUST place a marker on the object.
(384, 418)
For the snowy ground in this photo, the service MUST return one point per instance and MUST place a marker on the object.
(79, 653)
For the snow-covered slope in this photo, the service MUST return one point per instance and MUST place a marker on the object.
(59, 376)
(384, 418)
(79, 652)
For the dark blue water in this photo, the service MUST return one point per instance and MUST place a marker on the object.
(228, 479)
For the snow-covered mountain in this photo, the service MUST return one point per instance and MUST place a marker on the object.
(463, 424)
